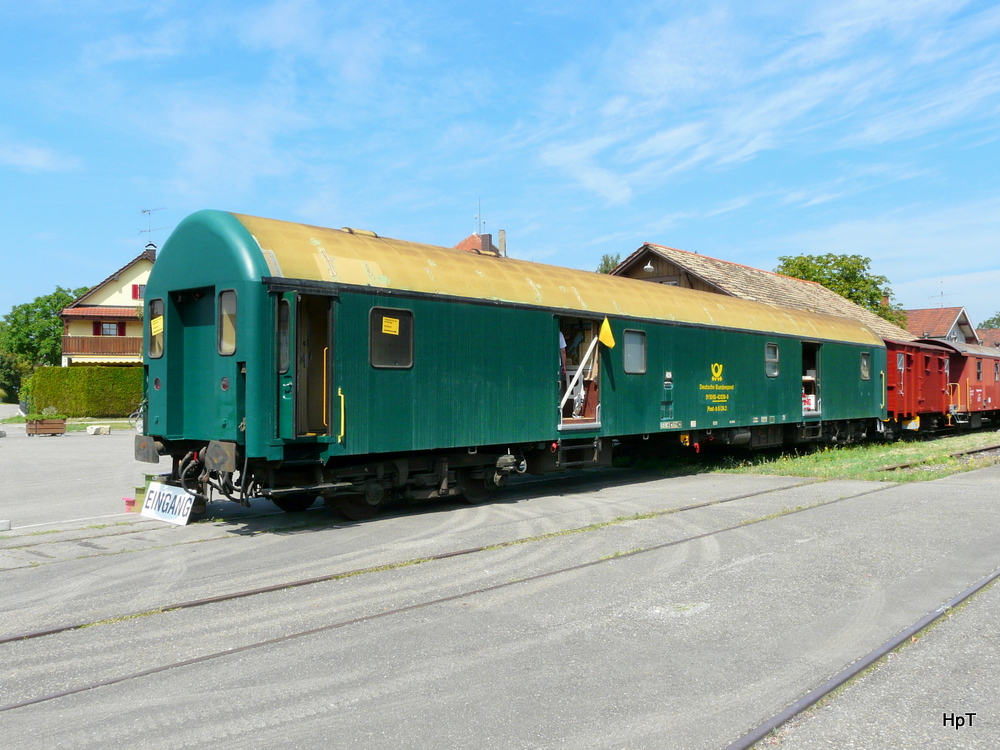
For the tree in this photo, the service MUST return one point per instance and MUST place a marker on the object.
(993, 322)
(609, 263)
(33, 331)
(12, 369)
(850, 277)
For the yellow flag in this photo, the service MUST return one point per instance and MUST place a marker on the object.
(606, 337)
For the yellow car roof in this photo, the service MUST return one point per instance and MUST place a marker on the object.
(301, 251)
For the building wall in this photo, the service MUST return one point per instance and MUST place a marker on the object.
(665, 272)
(85, 327)
(118, 293)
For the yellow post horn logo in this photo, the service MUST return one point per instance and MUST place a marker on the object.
(716, 372)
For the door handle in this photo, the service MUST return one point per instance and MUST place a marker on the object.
(343, 415)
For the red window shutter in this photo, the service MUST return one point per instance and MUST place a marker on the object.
(135, 295)
(121, 328)
(97, 328)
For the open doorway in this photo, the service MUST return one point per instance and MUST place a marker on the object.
(313, 353)
(304, 359)
(812, 395)
(579, 387)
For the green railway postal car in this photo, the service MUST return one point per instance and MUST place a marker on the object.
(291, 362)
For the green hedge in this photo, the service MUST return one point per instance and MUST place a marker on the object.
(87, 391)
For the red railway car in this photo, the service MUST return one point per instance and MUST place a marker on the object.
(916, 385)
(973, 383)
(935, 384)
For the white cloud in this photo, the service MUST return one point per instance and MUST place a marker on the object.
(919, 247)
(718, 88)
(226, 143)
(164, 42)
(353, 44)
(681, 60)
(579, 161)
(35, 158)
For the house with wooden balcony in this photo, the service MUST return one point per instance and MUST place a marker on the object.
(104, 325)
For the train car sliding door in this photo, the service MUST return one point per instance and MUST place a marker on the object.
(579, 391)
(305, 366)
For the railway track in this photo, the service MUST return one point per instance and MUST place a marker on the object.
(761, 731)
(745, 742)
(395, 611)
(989, 450)
(395, 565)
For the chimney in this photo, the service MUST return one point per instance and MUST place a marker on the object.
(502, 239)
(151, 251)
(487, 247)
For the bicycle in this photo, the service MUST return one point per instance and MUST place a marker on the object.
(137, 419)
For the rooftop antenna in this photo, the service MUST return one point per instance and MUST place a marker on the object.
(480, 221)
(149, 223)
(941, 295)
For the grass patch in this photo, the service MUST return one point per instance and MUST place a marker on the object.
(122, 618)
(621, 553)
(865, 462)
(99, 526)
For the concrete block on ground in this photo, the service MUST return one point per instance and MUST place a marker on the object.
(99, 429)
(4, 525)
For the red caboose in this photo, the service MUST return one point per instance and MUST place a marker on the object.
(916, 383)
(973, 383)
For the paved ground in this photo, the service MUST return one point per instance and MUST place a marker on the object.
(682, 630)
(942, 691)
(49, 479)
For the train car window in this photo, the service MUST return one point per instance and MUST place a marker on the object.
(227, 323)
(155, 328)
(390, 338)
(979, 369)
(284, 336)
(996, 372)
(866, 365)
(771, 360)
(635, 352)
(900, 361)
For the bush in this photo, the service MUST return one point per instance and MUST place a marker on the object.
(86, 391)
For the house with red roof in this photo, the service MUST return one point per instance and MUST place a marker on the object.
(482, 244)
(946, 323)
(103, 326)
(989, 336)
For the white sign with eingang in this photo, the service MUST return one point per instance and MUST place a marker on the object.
(167, 503)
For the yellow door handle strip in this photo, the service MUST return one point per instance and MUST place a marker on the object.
(326, 356)
(343, 427)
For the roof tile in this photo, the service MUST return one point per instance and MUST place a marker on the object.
(746, 282)
(100, 312)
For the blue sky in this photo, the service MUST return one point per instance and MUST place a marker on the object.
(744, 131)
